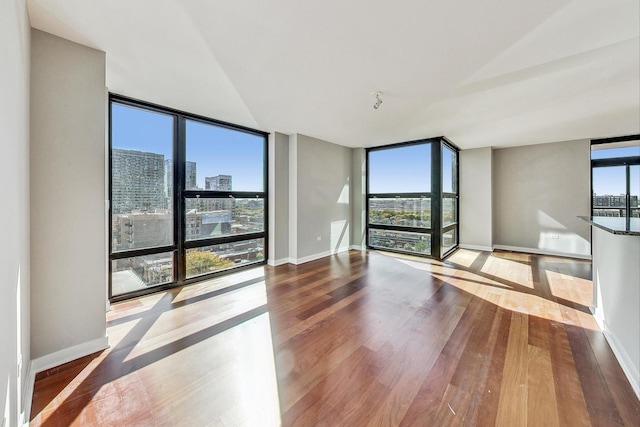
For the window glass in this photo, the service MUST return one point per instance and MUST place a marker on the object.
(609, 191)
(209, 259)
(401, 241)
(401, 169)
(449, 207)
(141, 272)
(142, 197)
(608, 153)
(207, 217)
(222, 159)
(407, 212)
(448, 240)
(449, 164)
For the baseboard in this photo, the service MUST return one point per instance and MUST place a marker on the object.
(317, 256)
(623, 359)
(277, 262)
(56, 359)
(356, 248)
(68, 354)
(540, 251)
(476, 247)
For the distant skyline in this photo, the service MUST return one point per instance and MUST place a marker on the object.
(215, 150)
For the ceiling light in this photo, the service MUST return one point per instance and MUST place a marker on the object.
(378, 99)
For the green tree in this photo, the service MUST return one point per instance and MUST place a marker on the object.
(204, 262)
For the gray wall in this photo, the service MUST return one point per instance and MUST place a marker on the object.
(476, 168)
(320, 213)
(278, 198)
(14, 213)
(67, 195)
(358, 198)
(538, 190)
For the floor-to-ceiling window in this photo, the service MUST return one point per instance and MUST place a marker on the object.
(412, 197)
(188, 197)
(615, 177)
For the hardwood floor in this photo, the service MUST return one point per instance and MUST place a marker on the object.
(357, 339)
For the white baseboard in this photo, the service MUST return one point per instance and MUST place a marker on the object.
(277, 262)
(623, 359)
(475, 247)
(317, 256)
(540, 251)
(56, 359)
(68, 354)
(356, 248)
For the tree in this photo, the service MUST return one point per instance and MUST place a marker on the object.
(204, 262)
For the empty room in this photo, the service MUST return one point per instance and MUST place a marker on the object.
(296, 213)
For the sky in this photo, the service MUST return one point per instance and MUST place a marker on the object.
(221, 151)
(611, 180)
(400, 170)
(406, 169)
(216, 150)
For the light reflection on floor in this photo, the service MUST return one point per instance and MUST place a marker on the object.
(507, 280)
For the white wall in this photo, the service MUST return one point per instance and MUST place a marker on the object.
(14, 211)
(538, 190)
(476, 198)
(616, 280)
(67, 200)
(278, 198)
(319, 195)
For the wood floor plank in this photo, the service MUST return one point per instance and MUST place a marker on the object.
(512, 407)
(542, 405)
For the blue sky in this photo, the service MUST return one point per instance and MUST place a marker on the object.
(216, 150)
(612, 179)
(401, 170)
(221, 151)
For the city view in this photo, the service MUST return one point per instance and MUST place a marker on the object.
(142, 217)
(610, 192)
(615, 206)
(408, 212)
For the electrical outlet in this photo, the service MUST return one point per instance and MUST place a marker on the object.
(555, 236)
(319, 238)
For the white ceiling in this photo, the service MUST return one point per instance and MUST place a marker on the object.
(483, 73)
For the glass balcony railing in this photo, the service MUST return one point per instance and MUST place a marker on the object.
(615, 211)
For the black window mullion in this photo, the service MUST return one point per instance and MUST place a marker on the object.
(192, 244)
(628, 198)
(141, 252)
(436, 201)
(215, 194)
(179, 184)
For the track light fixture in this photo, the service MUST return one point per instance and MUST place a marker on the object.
(378, 99)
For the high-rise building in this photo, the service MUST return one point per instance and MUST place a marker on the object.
(218, 183)
(168, 178)
(190, 178)
(190, 182)
(138, 181)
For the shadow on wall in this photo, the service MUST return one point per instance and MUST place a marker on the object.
(556, 237)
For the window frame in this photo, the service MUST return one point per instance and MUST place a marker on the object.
(180, 244)
(435, 195)
(627, 162)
